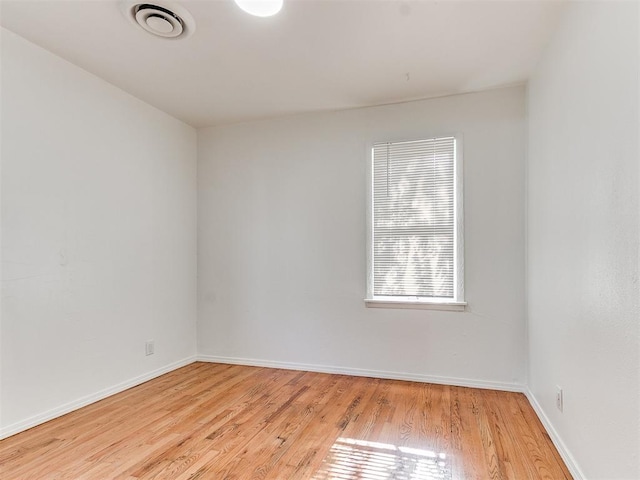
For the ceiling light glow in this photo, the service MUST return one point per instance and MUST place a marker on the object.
(260, 8)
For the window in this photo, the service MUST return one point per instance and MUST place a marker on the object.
(415, 225)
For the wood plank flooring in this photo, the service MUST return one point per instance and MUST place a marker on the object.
(227, 422)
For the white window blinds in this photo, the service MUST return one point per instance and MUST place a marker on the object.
(414, 219)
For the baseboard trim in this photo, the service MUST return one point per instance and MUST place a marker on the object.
(358, 372)
(564, 452)
(89, 399)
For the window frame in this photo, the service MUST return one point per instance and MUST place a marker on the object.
(457, 303)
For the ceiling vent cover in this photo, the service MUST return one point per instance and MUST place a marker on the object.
(161, 19)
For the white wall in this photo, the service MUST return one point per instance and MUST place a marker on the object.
(282, 235)
(583, 237)
(98, 236)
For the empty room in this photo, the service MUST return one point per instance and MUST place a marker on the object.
(320, 239)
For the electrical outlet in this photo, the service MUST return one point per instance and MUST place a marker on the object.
(559, 398)
(149, 348)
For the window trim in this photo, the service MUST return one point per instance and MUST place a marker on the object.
(457, 303)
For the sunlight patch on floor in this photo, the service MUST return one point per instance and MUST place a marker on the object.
(351, 459)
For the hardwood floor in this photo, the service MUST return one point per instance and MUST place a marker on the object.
(215, 422)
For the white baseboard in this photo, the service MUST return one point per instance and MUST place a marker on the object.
(358, 372)
(564, 452)
(89, 399)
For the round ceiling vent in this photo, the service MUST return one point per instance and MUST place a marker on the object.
(160, 18)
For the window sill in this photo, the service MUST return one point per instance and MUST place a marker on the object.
(415, 304)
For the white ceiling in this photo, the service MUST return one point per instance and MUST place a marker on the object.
(314, 55)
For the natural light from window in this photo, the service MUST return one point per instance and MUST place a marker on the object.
(415, 224)
(352, 459)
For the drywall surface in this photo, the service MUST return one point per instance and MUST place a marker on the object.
(583, 237)
(98, 235)
(282, 243)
